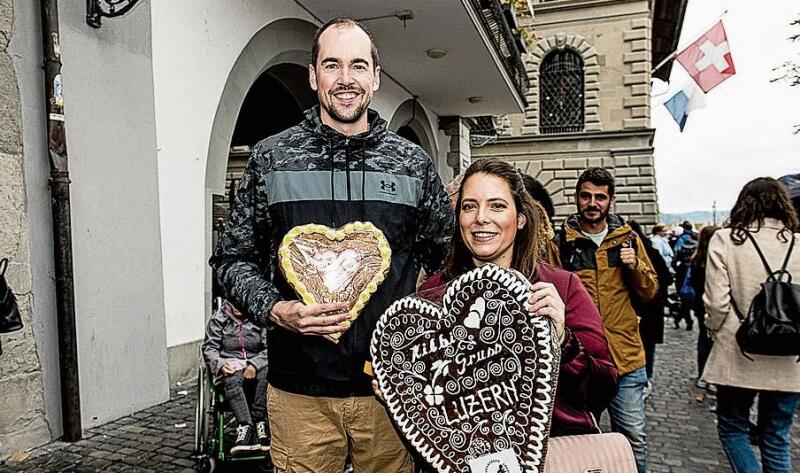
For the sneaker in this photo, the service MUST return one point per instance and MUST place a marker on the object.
(245, 440)
(263, 435)
(712, 388)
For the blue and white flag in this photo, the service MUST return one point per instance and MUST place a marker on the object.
(689, 98)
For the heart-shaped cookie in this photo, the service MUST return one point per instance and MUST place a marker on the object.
(470, 384)
(324, 264)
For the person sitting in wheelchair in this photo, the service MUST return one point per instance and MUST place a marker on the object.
(235, 351)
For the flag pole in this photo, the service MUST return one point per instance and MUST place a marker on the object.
(675, 53)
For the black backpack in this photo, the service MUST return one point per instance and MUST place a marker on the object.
(772, 324)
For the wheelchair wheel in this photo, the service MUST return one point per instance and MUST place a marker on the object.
(201, 413)
(206, 464)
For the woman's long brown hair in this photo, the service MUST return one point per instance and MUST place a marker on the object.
(701, 253)
(763, 197)
(527, 247)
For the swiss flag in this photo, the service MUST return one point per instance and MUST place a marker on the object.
(708, 60)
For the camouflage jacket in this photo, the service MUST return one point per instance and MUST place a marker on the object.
(310, 173)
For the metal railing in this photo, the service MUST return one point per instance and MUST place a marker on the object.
(497, 26)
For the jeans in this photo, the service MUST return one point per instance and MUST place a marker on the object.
(775, 414)
(627, 414)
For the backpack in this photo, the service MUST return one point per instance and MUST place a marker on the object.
(686, 290)
(772, 324)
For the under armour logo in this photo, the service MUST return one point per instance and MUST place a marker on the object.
(388, 187)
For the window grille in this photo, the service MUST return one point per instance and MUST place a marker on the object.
(561, 93)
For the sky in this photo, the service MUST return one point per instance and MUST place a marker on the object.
(746, 129)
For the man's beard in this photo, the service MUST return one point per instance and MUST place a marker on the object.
(342, 116)
(585, 218)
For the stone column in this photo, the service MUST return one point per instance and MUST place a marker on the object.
(460, 155)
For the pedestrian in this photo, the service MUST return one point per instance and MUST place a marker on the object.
(686, 235)
(651, 314)
(658, 237)
(493, 200)
(684, 249)
(613, 264)
(698, 282)
(235, 351)
(543, 205)
(540, 194)
(734, 274)
(340, 164)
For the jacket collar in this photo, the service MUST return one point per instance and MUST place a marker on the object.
(772, 223)
(616, 227)
(313, 123)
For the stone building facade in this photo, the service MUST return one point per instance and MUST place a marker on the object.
(617, 42)
(21, 392)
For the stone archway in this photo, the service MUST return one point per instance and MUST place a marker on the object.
(409, 118)
(588, 53)
(280, 48)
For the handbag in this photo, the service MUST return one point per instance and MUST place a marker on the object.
(10, 320)
(593, 453)
(772, 324)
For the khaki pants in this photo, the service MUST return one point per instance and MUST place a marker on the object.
(315, 434)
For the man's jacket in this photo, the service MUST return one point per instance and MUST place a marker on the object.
(230, 338)
(311, 173)
(611, 284)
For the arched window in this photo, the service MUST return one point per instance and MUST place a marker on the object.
(561, 93)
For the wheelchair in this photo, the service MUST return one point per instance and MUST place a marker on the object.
(214, 431)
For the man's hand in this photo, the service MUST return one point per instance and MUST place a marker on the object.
(313, 319)
(226, 369)
(250, 372)
(628, 256)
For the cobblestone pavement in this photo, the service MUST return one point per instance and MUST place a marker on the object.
(681, 429)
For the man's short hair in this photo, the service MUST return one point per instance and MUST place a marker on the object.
(598, 177)
(343, 22)
(687, 225)
(657, 229)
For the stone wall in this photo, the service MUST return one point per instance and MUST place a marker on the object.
(22, 416)
(613, 39)
(557, 161)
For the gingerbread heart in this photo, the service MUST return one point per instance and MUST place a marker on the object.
(471, 385)
(324, 264)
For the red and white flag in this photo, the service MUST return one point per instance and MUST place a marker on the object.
(708, 60)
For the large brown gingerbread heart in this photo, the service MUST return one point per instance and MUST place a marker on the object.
(325, 265)
(471, 385)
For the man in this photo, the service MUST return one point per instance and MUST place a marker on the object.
(683, 238)
(338, 166)
(613, 265)
(658, 237)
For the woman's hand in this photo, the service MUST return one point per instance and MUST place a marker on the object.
(546, 302)
(377, 389)
(227, 370)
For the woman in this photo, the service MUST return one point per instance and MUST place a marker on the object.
(734, 273)
(698, 282)
(651, 325)
(497, 224)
